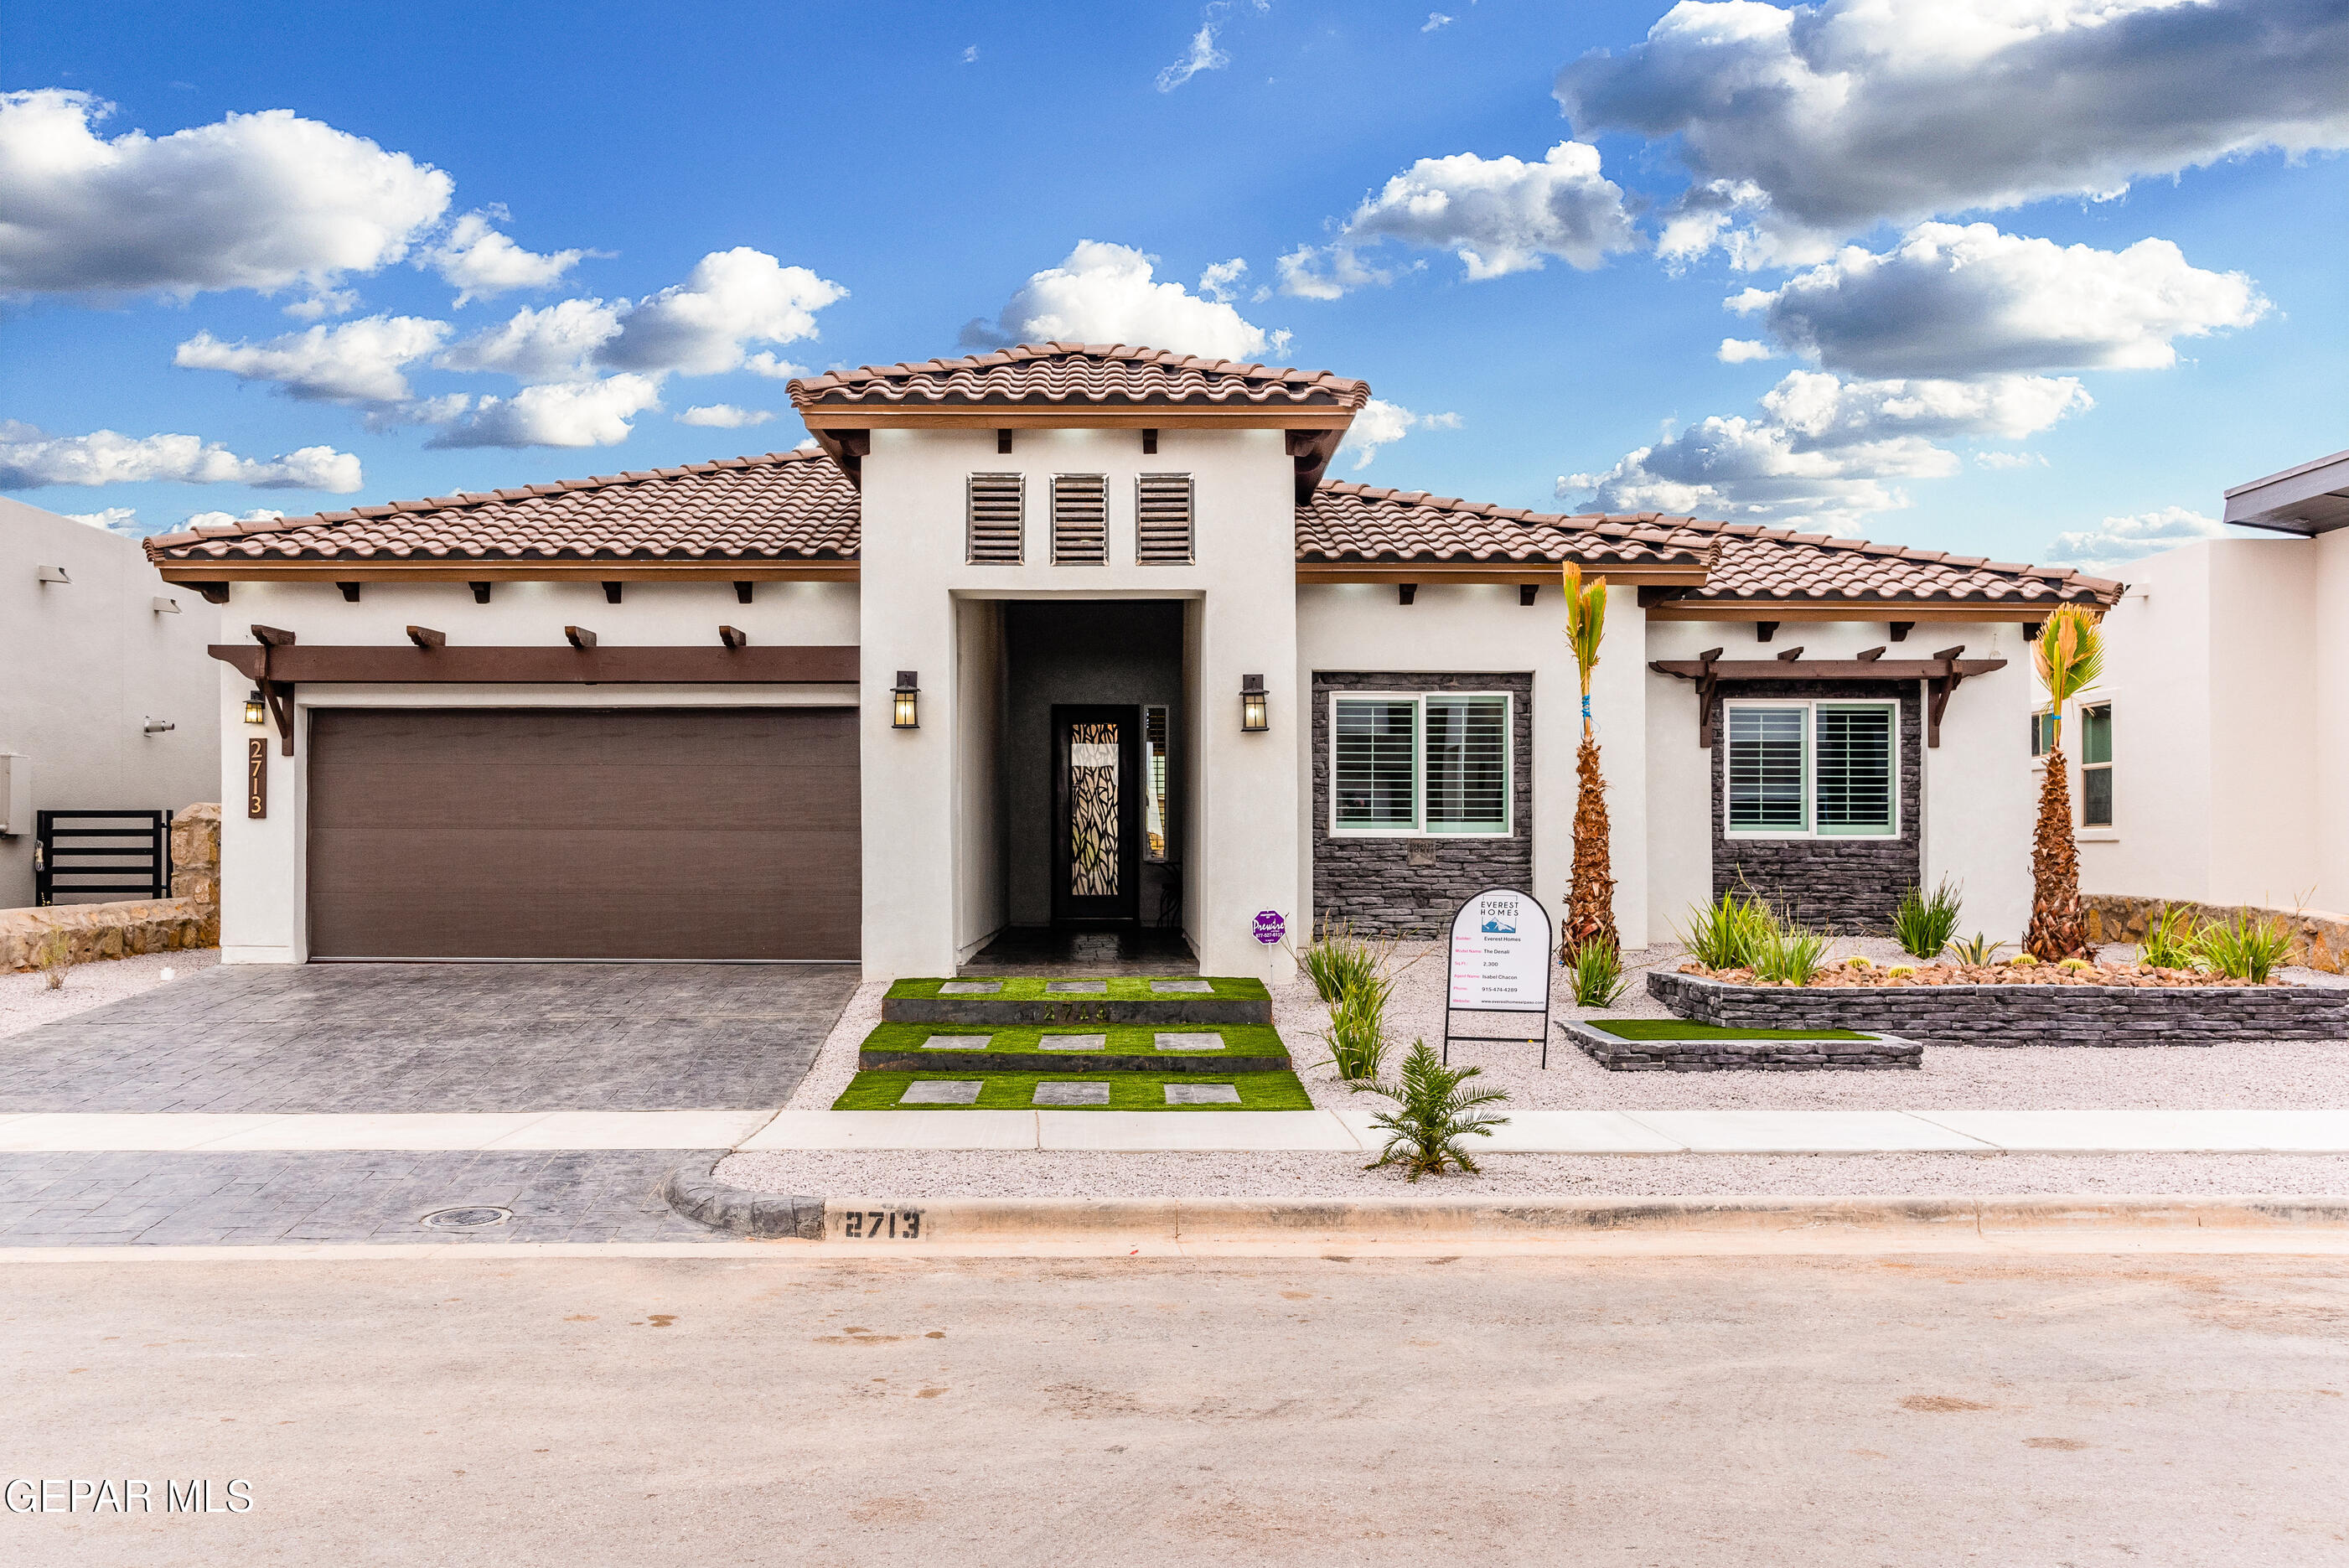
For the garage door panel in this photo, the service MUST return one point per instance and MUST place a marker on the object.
(672, 833)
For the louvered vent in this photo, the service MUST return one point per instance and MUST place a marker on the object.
(996, 517)
(1080, 520)
(1162, 519)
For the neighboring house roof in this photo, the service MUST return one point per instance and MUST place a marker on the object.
(789, 506)
(1112, 375)
(2311, 497)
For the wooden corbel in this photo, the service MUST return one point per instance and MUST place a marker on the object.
(277, 694)
(426, 638)
(1706, 681)
(1938, 687)
(731, 637)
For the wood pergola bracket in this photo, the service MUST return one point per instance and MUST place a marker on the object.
(1942, 674)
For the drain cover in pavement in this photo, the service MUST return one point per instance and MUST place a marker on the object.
(479, 1218)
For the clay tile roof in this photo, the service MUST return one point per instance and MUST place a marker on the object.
(1099, 373)
(1356, 522)
(787, 505)
(1780, 563)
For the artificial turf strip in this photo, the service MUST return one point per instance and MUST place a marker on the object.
(1127, 1091)
(1030, 987)
(1124, 1039)
(1682, 1029)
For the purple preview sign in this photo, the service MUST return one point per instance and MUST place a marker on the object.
(1270, 927)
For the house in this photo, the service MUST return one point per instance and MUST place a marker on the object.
(108, 704)
(1076, 636)
(2213, 756)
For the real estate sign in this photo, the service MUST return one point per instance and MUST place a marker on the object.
(1500, 954)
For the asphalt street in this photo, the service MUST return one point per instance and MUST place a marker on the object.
(1670, 1411)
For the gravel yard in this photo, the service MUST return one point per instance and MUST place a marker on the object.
(26, 1002)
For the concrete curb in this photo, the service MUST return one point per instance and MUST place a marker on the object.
(693, 1190)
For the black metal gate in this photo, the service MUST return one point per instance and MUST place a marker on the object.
(114, 853)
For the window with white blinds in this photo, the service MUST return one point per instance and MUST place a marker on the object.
(1162, 519)
(1080, 520)
(1419, 763)
(1799, 769)
(994, 519)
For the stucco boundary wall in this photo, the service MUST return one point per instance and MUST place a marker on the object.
(2008, 1015)
(2319, 940)
(189, 918)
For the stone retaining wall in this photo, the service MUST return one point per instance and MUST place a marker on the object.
(2319, 940)
(1619, 1056)
(2020, 1014)
(189, 918)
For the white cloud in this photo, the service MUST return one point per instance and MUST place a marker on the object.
(723, 416)
(731, 298)
(265, 201)
(1104, 293)
(322, 302)
(2121, 541)
(765, 363)
(1435, 19)
(196, 520)
(1963, 301)
(113, 519)
(556, 413)
(1221, 281)
(1816, 122)
(1202, 55)
(1743, 350)
(1498, 215)
(970, 54)
(29, 458)
(1383, 423)
(552, 343)
(2006, 460)
(1825, 452)
(358, 361)
(484, 263)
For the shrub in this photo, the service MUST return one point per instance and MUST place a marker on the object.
(1336, 958)
(2169, 940)
(55, 957)
(1357, 1034)
(1977, 949)
(1791, 954)
(1926, 925)
(1725, 934)
(1599, 976)
(1433, 1113)
(2244, 948)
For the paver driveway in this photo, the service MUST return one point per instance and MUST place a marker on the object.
(437, 1037)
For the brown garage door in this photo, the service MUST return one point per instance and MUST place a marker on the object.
(698, 833)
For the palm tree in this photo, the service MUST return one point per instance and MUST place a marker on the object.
(2069, 656)
(1591, 901)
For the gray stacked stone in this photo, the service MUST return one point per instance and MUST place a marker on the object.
(1867, 1054)
(2021, 1014)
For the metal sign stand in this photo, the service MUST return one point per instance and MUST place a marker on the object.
(1451, 937)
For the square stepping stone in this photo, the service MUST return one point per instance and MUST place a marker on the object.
(1184, 987)
(1073, 1043)
(969, 987)
(1076, 988)
(943, 1092)
(1202, 1093)
(1190, 1042)
(957, 1041)
(1071, 1093)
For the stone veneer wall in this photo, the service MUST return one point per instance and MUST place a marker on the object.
(1874, 1052)
(1847, 885)
(1408, 887)
(2319, 940)
(189, 918)
(2021, 1014)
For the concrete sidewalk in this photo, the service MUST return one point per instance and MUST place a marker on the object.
(1348, 1132)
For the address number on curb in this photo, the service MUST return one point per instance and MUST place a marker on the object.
(881, 1225)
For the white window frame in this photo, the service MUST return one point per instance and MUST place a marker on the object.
(1418, 828)
(1809, 707)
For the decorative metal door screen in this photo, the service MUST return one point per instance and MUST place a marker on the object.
(1093, 811)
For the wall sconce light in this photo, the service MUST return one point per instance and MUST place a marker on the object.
(903, 714)
(256, 712)
(1252, 716)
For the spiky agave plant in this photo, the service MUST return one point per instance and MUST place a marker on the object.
(2068, 655)
(1433, 1113)
(1590, 901)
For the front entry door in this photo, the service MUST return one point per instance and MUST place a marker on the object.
(1096, 814)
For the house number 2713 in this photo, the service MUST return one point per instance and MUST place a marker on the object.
(881, 1225)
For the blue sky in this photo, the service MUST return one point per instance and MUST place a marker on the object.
(2014, 276)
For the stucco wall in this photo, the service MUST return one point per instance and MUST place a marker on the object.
(261, 914)
(981, 682)
(84, 665)
(1243, 851)
(2332, 619)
